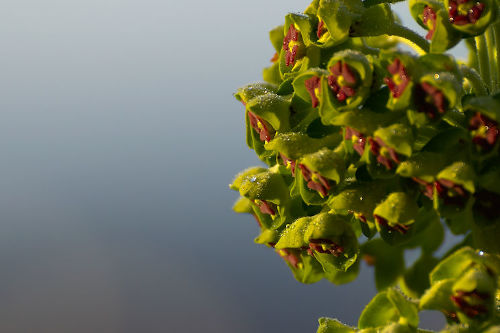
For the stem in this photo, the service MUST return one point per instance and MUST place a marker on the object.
(475, 80)
(490, 43)
(411, 36)
(496, 34)
(369, 3)
(471, 46)
(482, 57)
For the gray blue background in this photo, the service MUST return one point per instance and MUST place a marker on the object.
(119, 136)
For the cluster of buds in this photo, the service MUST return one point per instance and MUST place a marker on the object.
(371, 150)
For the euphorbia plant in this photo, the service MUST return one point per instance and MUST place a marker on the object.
(372, 151)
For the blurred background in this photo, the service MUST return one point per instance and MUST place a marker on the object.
(119, 136)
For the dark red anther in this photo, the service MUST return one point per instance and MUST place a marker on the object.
(266, 207)
(396, 68)
(290, 55)
(311, 85)
(461, 16)
(288, 162)
(430, 100)
(306, 173)
(429, 19)
(315, 181)
(262, 127)
(389, 161)
(291, 256)
(344, 88)
(401, 228)
(321, 29)
(321, 245)
(470, 310)
(486, 131)
(359, 142)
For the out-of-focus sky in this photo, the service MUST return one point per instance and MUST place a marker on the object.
(118, 138)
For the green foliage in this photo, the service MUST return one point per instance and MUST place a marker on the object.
(372, 151)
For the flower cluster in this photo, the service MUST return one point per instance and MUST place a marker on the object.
(371, 151)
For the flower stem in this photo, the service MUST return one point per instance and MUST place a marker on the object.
(475, 80)
(482, 57)
(490, 43)
(410, 36)
(496, 34)
(471, 46)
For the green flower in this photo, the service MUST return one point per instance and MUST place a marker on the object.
(471, 17)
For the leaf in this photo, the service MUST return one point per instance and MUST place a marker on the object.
(416, 278)
(438, 296)
(379, 312)
(408, 311)
(388, 261)
(454, 265)
(328, 325)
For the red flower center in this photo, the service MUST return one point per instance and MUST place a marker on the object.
(461, 12)
(313, 87)
(430, 100)
(429, 19)
(357, 138)
(484, 130)
(321, 29)
(290, 45)
(315, 181)
(262, 127)
(386, 155)
(399, 80)
(342, 81)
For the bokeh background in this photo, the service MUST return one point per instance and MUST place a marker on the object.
(119, 136)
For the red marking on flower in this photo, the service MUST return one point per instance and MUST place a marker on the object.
(321, 245)
(266, 207)
(462, 299)
(427, 188)
(291, 256)
(386, 155)
(291, 54)
(315, 181)
(275, 57)
(401, 228)
(451, 193)
(342, 81)
(485, 131)
(358, 139)
(429, 19)
(461, 12)
(288, 163)
(399, 80)
(430, 100)
(321, 29)
(272, 244)
(262, 127)
(313, 87)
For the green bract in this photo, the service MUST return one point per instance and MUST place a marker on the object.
(372, 151)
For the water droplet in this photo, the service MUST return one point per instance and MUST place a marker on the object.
(481, 253)
(253, 179)
(436, 76)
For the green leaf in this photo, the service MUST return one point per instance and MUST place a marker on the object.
(244, 175)
(408, 311)
(340, 277)
(338, 16)
(250, 91)
(388, 261)
(293, 235)
(379, 312)
(438, 296)
(376, 20)
(454, 265)
(243, 205)
(294, 145)
(328, 325)
(397, 136)
(327, 163)
(308, 271)
(459, 173)
(272, 108)
(267, 236)
(416, 279)
(398, 208)
(422, 165)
